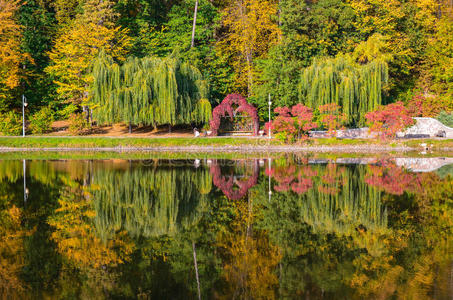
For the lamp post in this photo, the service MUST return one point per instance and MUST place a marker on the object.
(24, 105)
(270, 103)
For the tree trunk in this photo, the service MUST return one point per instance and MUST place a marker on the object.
(249, 75)
(194, 24)
(130, 127)
(169, 128)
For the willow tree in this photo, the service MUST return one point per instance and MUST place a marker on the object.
(149, 91)
(357, 88)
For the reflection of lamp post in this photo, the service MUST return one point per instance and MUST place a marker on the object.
(25, 181)
(270, 191)
(24, 105)
(270, 103)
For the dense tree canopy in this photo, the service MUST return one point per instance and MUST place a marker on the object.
(11, 54)
(251, 47)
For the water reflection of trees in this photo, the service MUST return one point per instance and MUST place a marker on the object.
(329, 231)
(331, 198)
(345, 251)
(149, 201)
(232, 185)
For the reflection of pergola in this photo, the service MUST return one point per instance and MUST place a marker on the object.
(233, 186)
(242, 116)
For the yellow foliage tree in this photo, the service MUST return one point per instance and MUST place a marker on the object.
(11, 55)
(78, 45)
(386, 18)
(250, 31)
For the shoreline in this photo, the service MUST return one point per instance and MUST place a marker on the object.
(371, 148)
(218, 144)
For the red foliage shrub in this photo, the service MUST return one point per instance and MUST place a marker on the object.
(390, 119)
(331, 118)
(294, 123)
(226, 108)
(421, 106)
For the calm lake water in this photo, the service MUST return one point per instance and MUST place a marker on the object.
(283, 228)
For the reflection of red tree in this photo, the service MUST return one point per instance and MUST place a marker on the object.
(226, 185)
(329, 190)
(302, 185)
(301, 180)
(392, 179)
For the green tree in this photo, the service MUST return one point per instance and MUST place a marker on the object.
(39, 28)
(149, 91)
(309, 29)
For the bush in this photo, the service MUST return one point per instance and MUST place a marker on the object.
(330, 118)
(293, 124)
(446, 118)
(77, 124)
(421, 106)
(10, 124)
(41, 121)
(390, 119)
(67, 112)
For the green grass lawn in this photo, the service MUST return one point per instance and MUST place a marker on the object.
(130, 142)
(113, 142)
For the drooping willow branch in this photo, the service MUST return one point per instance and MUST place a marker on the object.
(356, 88)
(149, 91)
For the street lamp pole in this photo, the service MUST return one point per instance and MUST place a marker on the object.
(270, 103)
(24, 104)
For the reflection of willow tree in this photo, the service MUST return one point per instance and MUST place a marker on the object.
(404, 260)
(423, 238)
(331, 198)
(88, 261)
(149, 201)
(75, 234)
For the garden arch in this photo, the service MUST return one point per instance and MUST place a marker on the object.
(225, 109)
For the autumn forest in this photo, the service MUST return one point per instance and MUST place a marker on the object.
(156, 62)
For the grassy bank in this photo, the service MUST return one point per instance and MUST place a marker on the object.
(143, 143)
(117, 142)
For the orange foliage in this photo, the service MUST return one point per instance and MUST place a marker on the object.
(11, 55)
